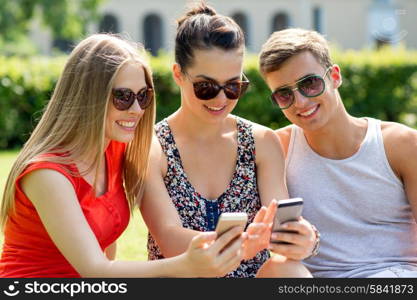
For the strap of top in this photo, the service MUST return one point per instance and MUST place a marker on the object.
(245, 143)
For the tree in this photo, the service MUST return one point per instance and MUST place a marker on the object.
(67, 19)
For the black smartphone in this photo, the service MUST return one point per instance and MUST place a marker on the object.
(287, 210)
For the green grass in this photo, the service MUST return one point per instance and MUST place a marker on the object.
(132, 243)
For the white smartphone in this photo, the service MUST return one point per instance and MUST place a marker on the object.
(288, 210)
(229, 220)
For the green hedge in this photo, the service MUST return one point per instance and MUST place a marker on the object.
(380, 84)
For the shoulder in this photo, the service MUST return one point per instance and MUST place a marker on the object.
(157, 158)
(267, 143)
(399, 136)
(263, 135)
(284, 135)
(45, 182)
(400, 143)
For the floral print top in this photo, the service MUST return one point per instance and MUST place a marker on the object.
(201, 214)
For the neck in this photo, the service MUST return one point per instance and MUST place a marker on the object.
(190, 125)
(340, 138)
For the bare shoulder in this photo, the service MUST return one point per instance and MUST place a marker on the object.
(399, 137)
(157, 158)
(284, 135)
(267, 143)
(43, 177)
(45, 183)
(263, 135)
(400, 143)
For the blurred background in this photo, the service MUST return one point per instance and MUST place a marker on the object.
(373, 41)
(353, 24)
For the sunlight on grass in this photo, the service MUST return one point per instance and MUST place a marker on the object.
(132, 243)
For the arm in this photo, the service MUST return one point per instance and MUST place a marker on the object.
(270, 163)
(111, 251)
(400, 144)
(50, 192)
(271, 185)
(158, 211)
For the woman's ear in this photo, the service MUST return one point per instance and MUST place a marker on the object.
(177, 74)
(336, 76)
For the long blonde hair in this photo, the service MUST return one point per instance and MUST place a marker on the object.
(73, 123)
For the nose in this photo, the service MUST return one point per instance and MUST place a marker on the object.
(300, 101)
(135, 108)
(221, 97)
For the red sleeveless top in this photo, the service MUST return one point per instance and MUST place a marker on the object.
(28, 251)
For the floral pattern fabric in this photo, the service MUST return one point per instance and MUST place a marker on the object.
(240, 196)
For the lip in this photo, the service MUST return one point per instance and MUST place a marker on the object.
(215, 112)
(129, 129)
(316, 109)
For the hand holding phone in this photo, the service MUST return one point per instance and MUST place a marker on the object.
(288, 210)
(230, 220)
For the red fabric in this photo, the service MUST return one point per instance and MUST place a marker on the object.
(28, 251)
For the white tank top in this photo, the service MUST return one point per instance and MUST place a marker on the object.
(358, 205)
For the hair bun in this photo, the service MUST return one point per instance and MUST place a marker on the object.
(200, 8)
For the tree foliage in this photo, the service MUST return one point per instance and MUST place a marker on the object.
(67, 19)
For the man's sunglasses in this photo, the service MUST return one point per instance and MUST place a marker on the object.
(309, 86)
(123, 98)
(209, 89)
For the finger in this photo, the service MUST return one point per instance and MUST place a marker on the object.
(270, 213)
(231, 265)
(292, 238)
(291, 251)
(256, 228)
(203, 238)
(230, 251)
(260, 215)
(226, 238)
(294, 226)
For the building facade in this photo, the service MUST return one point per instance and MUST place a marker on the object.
(353, 24)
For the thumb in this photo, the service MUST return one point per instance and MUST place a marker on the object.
(202, 238)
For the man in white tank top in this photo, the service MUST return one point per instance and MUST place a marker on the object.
(357, 176)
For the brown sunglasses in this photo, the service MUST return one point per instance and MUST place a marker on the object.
(123, 98)
(209, 89)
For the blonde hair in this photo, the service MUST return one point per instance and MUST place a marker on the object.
(73, 123)
(284, 44)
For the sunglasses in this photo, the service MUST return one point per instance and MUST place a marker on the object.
(123, 98)
(309, 86)
(209, 89)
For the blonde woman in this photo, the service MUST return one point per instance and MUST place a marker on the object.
(72, 188)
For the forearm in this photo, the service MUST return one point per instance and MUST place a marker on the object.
(175, 240)
(170, 267)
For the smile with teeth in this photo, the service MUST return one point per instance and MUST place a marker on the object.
(309, 112)
(126, 124)
(213, 108)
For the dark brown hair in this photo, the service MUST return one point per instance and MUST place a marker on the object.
(284, 44)
(202, 28)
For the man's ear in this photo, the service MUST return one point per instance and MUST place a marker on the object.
(177, 74)
(336, 76)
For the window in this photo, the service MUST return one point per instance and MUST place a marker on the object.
(318, 19)
(242, 21)
(153, 33)
(280, 21)
(109, 23)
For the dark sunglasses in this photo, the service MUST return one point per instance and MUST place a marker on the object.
(209, 89)
(123, 98)
(309, 86)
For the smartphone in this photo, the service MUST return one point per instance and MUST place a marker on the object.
(230, 220)
(287, 210)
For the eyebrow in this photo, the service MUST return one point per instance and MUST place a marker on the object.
(212, 79)
(299, 79)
